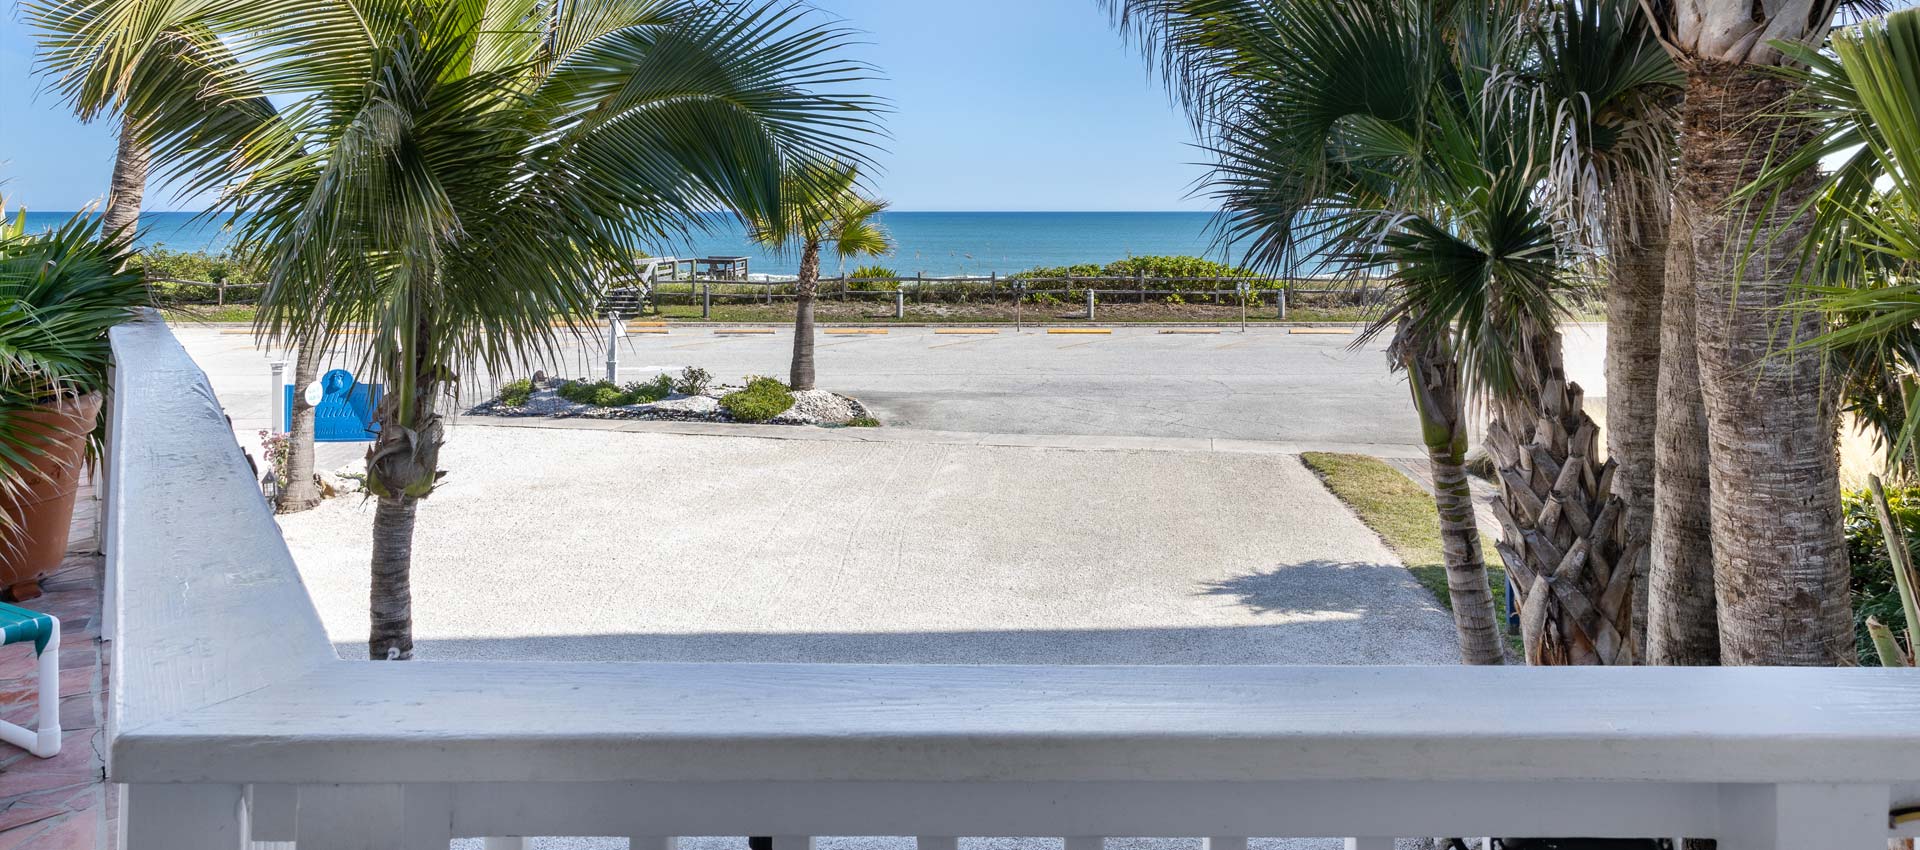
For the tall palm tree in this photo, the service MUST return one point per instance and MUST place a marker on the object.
(1424, 134)
(1779, 556)
(141, 58)
(450, 175)
(1611, 87)
(821, 205)
(108, 56)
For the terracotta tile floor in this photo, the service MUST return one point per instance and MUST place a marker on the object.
(61, 803)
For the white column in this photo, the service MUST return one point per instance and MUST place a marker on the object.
(182, 817)
(350, 817)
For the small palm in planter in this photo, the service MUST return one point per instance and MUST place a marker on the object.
(59, 294)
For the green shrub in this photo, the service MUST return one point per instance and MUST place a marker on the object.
(763, 399)
(858, 285)
(693, 381)
(609, 397)
(862, 422)
(161, 267)
(645, 392)
(516, 393)
(1873, 588)
(585, 392)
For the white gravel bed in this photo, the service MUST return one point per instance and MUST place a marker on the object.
(810, 407)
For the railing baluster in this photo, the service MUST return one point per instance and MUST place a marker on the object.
(1223, 843)
(936, 842)
(504, 842)
(793, 842)
(1370, 843)
(350, 817)
(1085, 842)
(182, 817)
(653, 842)
(270, 811)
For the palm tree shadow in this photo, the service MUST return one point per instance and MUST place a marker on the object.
(1322, 588)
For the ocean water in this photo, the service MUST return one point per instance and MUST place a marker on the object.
(931, 243)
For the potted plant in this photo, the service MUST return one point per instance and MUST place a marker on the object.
(60, 292)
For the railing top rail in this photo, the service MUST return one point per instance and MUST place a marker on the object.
(485, 721)
(225, 674)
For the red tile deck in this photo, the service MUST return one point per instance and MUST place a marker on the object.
(61, 803)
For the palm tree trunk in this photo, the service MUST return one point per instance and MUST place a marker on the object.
(1564, 533)
(1780, 561)
(804, 290)
(390, 602)
(130, 163)
(403, 465)
(1637, 248)
(1682, 629)
(1434, 378)
(302, 492)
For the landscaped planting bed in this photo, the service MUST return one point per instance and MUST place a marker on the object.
(690, 397)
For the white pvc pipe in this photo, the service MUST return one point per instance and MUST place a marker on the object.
(44, 741)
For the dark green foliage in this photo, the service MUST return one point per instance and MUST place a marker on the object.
(516, 393)
(1874, 594)
(859, 279)
(763, 399)
(60, 292)
(643, 392)
(862, 422)
(1152, 266)
(693, 381)
(609, 394)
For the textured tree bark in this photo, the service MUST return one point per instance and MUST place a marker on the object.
(1637, 249)
(1682, 625)
(390, 602)
(403, 465)
(1780, 561)
(302, 493)
(130, 164)
(1435, 380)
(801, 377)
(1563, 530)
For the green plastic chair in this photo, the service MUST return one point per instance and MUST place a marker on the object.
(20, 625)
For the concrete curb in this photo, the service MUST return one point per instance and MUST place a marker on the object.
(1072, 442)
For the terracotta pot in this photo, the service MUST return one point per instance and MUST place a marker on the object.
(37, 540)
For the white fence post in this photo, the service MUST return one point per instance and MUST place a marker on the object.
(277, 399)
(899, 302)
(613, 345)
(1089, 303)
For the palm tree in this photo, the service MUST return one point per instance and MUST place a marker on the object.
(1422, 133)
(450, 176)
(1780, 562)
(144, 56)
(821, 204)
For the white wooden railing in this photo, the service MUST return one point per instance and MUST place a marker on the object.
(234, 722)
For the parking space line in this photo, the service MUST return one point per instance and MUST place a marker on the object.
(964, 331)
(1079, 330)
(1189, 331)
(738, 331)
(856, 331)
(1326, 331)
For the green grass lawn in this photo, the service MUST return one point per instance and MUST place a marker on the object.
(1403, 514)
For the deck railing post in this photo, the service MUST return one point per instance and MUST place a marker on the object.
(706, 301)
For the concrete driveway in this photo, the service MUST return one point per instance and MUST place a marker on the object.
(582, 545)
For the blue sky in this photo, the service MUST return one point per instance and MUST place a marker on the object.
(1000, 105)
